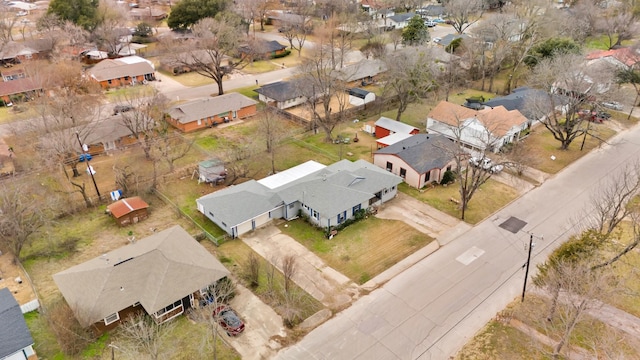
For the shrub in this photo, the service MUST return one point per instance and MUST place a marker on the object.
(282, 54)
(72, 337)
(448, 177)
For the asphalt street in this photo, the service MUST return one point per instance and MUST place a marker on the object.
(433, 308)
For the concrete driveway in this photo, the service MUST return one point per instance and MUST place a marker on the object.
(331, 288)
(261, 325)
(422, 217)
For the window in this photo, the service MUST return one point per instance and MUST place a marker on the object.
(109, 82)
(356, 208)
(126, 78)
(111, 318)
(449, 168)
(403, 173)
(389, 166)
(316, 215)
(168, 308)
(427, 176)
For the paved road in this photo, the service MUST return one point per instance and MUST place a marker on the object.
(432, 309)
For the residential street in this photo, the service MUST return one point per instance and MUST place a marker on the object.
(433, 308)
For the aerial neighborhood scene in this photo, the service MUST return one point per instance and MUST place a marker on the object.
(327, 179)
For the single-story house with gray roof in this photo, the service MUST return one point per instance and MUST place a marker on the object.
(16, 342)
(400, 21)
(328, 195)
(419, 159)
(281, 94)
(202, 113)
(363, 72)
(163, 275)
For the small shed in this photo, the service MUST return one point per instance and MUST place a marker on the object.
(359, 96)
(129, 210)
(385, 127)
(211, 171)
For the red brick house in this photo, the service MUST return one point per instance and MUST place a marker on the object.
(209, 112)
(23, 87)
(129, 70)
(129, 210)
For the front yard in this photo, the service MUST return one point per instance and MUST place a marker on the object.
(363, 249)
(489, 198)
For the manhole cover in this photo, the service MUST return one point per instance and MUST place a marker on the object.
(513, 224)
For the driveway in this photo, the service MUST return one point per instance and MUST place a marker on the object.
(331, 288)
(422, 217)
(261, 325)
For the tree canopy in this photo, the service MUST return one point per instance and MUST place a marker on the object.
(550, 48)
(188, 12)
(416, 32)
(79, 12)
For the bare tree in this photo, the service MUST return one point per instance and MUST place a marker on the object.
(216, 40)
(464, 13)
(238, 159)
(147, 109)
(289, 270)
(320, 83)
(570, 86)
(24, 209)
(144, 335)
(253, 270)
(502, 31)
(272, 129)
(298, 25)
(410, 76)
(611, 201)
(577, 287)
(619, 23)
(111, 29)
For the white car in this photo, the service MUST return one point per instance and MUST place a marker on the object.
(437, 39)
(22, 13)
(614, 105)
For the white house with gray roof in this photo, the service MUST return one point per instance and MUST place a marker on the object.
(418, 159)
(328, 195)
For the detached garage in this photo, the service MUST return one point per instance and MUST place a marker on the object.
(359, 97)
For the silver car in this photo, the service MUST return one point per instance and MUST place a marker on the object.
(614, 105)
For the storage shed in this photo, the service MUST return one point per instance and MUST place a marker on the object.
(211, 171)
(359, 96)
(129, 210)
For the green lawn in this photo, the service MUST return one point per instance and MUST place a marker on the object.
(491, 197)
(362, 250)
(542, 147)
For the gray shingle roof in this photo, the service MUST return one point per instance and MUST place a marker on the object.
(114, 69)
(329, 191)
(14, 334)
(423, 152)
(401, 17)
(155, 271)
(361, 70)
(280, 91)
(204, 108)
(517, 101)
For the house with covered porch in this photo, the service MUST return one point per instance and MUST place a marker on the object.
(327, 195)
(163, 275)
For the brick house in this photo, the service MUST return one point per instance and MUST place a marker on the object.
(202, 113)
(129, 70)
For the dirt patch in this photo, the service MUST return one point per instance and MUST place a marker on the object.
(9, 272)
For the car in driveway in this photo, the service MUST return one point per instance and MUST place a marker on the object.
(614, 105)
(430, 23)
(121, 108)
(486, 164)
(228, 320)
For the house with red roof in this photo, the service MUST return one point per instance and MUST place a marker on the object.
(622, 57)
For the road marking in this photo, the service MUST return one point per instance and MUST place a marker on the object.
(470, 255)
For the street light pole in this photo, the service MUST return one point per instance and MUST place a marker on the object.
(89, 169)
(526, 272)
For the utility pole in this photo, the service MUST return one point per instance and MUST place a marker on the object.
(89, 168)
(526, 272)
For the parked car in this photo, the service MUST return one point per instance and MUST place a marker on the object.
(228, 320)
(437, 39)
(614, 105)
(430, 23)
(121, 108)
(486, 164)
